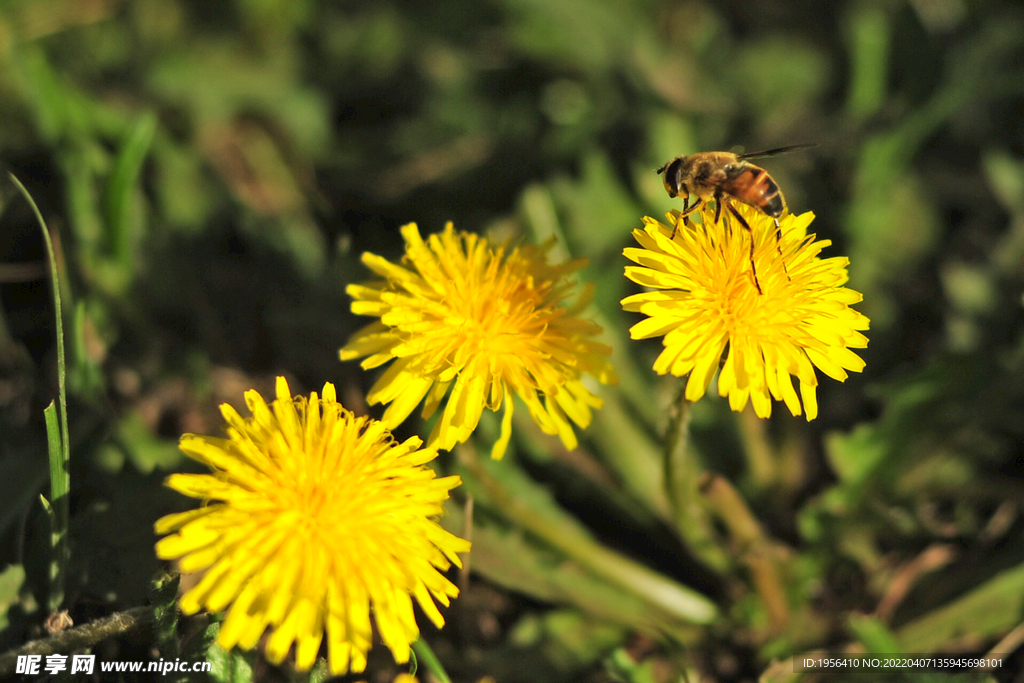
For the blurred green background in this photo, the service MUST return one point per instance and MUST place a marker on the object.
(213, 170)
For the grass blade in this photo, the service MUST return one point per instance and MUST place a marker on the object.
(57, 440)
(120, 191)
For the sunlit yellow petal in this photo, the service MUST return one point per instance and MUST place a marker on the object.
(313, 519)
(501, 445)
(706, 302)
(469, 324)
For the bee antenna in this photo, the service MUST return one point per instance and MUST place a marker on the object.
(662, 169)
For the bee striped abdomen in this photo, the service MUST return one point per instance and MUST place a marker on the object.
(755, 187)
(771, 197)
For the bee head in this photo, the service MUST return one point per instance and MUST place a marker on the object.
(673, 171)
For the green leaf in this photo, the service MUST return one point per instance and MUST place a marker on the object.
(58, 441)
(229, 666)
(234, 82)
(11, 580)
(164, 596)
(856, 455)
(122, 184)
(569, 638)
(1006, 178)
(146, 451)
(502, 487)
(800, 73)
(199, 646)
(874, 635)
(599, 210)
(605, 32)
(86, 375)
(987, 611)
(623, 667)
(60, 111)
(321, 673)
(868, 34)
(517, 562)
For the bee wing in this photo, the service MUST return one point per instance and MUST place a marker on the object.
(776, 151)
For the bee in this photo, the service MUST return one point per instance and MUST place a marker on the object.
(725, 177)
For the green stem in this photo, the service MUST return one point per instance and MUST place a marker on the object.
(429, 660)
(757, 449)
(679, 474)
(682, 470)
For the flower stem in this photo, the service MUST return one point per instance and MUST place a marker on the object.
(679, 469)
(682, 471)
(757, 448)
(429, 660)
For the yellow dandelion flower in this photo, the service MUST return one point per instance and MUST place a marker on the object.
(313, 517)
(475, 323)
(706, 299)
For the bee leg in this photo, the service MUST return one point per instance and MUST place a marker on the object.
(753, 268)
(686, 212)
(778, 245)
(718, 207)
(686, 204)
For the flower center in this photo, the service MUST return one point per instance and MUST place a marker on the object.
(493, 320)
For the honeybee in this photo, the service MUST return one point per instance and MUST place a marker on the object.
(724, 177)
